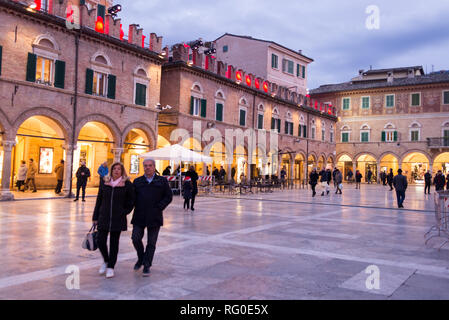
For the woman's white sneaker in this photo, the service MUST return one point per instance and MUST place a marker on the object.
(109, 273)
(103, 268)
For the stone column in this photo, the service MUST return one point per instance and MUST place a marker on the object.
(68, 167)
(117, 154)
(306, 174)
(248, 172)
(354, 168)
(378, 172)
(228, 172)
(5, 193)
(204, 169)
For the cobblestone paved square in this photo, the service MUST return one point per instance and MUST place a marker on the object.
(282, 245)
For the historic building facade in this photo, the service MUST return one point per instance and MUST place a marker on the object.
(76, 93)
(268, 59)
(215, 95)
(391, 119)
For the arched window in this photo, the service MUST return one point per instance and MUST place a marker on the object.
(219, 105)
(198, 105)
(141, 85)
(48, 69)
(345, 133)
(260, 116)
(243, 111)
(365, 133)
(275, 121)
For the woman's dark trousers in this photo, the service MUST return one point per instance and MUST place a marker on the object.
(114, 239)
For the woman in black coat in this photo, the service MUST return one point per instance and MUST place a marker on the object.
(194, 178)
(115, 201)
(313, 180)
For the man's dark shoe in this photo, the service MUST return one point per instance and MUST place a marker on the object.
(137, 265)
(322, 194)
(192, 209)
(76, 199)
(327, 192)
(83, 200)
(146, 271)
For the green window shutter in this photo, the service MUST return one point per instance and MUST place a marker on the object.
(303, 72)
(395, 136)
(273, 123)
(111, 86)
(89, 81)
(203, 107)
(445, 98)
(59, 74)
(279, 125)
(82, 2)
(31, 67)
(286, 127)
(141, 94)
(298, 73)
(260, 122)
(0, 60)
(101, 10)
(242, 117)
(291, 129)
(415, 99)
(304, 128)
(272, 60)
(191, 105)
(219, 112)
(299, 130)
(383, 136)
(344, 137)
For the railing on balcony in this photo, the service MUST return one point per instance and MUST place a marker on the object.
(442, 142)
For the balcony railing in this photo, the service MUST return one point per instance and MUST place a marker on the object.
(442, 142)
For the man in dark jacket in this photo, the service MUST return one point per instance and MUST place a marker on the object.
(439, 181)
(153, 195)
(194, 178)
(400, 184)
(222, 174)
(369, 176)
(428, 182)
(82, 175)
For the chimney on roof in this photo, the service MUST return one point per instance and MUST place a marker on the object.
(411, 73)
(361, 72)
(300, 51)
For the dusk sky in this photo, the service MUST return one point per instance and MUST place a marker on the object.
(333, 33)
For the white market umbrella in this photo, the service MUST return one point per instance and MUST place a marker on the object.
(176, 153)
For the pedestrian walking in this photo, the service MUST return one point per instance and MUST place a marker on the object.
(166, 171)
(334, 172)
(103, 171)
(82, 174)
(400, 185)
(222, 174)
(153, 195)
(427, 181)
(21, 176)
(369, 176)
(390, 179)
(31, 175)
(115, 200)
(439, 181)
(194, 179)
(383, 177)
(59, 170)
(325, 180)
(358, 179)
(350, 175)
(187, 193)
(338, 180)
(313, 180)
(283, 175)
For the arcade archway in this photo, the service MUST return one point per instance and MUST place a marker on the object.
(414, 166)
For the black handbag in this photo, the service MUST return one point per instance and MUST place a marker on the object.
(90, 240)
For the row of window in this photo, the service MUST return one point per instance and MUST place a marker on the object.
(387, 135)
(415, 101)
(51, 72)
(288, 66)
(198, 107)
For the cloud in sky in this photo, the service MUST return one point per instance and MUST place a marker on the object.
(333, 33)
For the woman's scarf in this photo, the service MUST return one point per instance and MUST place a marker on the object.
(115, 183)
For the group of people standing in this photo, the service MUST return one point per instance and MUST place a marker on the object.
(148, 195)
(439, 181)
(26, 176)
(326, 176)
